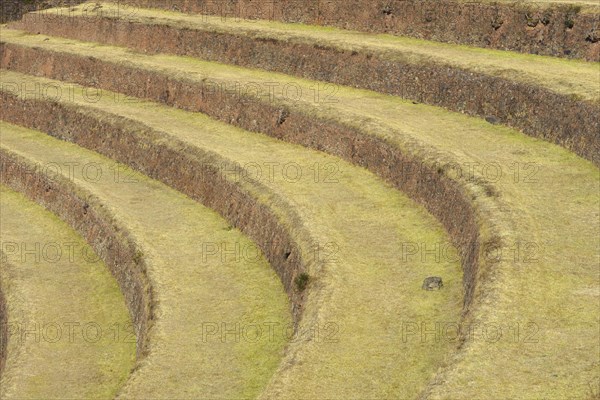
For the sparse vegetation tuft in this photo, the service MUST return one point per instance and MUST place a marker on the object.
(301, 281)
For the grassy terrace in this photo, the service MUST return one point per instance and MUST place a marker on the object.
(51, 281)
(548, 207)
(571, 77)
(362, 296)
(586, 5)
(191, 290)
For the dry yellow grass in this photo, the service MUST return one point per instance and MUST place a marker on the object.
(547, 205)
(70, 331)
(363, 296)
(572, 77)
(193, 291)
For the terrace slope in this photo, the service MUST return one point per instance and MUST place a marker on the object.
(577, 132)
(190, 289)
(554, 99)
(359, 295)
(540, 286)
(520, 175)
(566, 28)
(112, 26)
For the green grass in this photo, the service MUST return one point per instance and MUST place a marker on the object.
(190, 290)
(564, 76)
(52, 285)
(367, 291)
(557, 212)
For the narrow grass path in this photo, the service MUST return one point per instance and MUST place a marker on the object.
(195, 293)
(367, 292)
(70, 334)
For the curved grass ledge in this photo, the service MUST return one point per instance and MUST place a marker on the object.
(276, 228)
(450, 202)
(560, 28)
(438, 192)
(145, 375)
(43, 360)
(557, 100)
(372, 135)
(97, 225)
(74, 127)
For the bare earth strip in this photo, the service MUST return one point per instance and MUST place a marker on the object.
(70, 335)
(193, 291)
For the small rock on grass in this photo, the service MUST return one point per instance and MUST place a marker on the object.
(432, 283)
